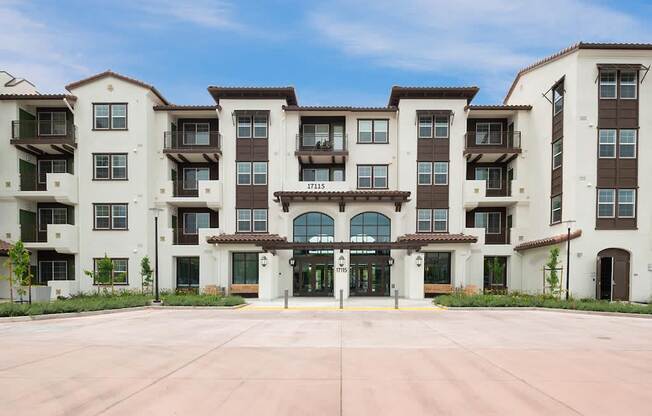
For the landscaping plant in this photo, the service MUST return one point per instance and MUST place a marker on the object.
(553, 272)
(20, 274)
(146, 273)
(103, 275)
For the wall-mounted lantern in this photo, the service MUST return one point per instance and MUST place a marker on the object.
(292, 261)
(390, 261)
(341, 260)
(419, 261)
(263, 261)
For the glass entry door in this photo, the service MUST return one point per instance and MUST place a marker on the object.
(313, 276)
(369, 276)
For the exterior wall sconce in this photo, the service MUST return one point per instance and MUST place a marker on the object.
(390, 261)
(292, 262)
(263, 261)
(419, 261)
(341, 260)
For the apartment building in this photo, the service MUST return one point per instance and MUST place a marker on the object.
(257, 194)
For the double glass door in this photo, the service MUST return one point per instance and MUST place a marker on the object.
(369, 276)
(313, 276)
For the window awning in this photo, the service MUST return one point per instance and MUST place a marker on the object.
(624, 67)
(548, 241)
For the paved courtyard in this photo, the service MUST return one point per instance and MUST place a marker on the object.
(253, 361)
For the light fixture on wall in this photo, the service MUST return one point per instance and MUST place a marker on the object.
(292, 261)
(263, 261)
(390, 261)
(419, 261)
(340, 261)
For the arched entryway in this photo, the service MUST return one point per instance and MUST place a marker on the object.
(612, 276)
(369, 269)
(313, 269)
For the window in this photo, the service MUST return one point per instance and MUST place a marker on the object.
(314, 227)
(373, 131)
(51, 216)
(335, 174)
(52, 270)
(627, 144)
(372, 176)
(558, 98)
(441, 127)
(243, 220)
(110, 116)
(607, 143)
(606, 203)
(370, 227)
(50, 166)
(628, 84)
(425, 126)
(52, 123)
(315, 135)
(492, 175)
(193, 221)
(243, 173)
(110, 166)
(110, 216)
(260, 173)
(244, 127)
(260, 220)
(120, 271)
(380, 177)
(437, 268)
(489, 133)
(424, 173)
(364, 177)
(441, 173)
(191, 177)
(432, 220)
(196, 134)
(424, 220)
(555, 209)
(260, 127)
(626, 203)
(557, 157)
(245, 269)
(607, 84)
(440, 220)
(187, 272)
(490, 221)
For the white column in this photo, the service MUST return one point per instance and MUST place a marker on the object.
(414, 276)
(341, 273)
(267, 276)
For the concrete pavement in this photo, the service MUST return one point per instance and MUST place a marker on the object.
(299, 362)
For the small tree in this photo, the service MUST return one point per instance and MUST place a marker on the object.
(496, 268)
(104, 273)
(20, 274)
(553, 271)
(146, 272)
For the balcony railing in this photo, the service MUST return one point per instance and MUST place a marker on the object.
(493, 141)
(32, 129)
(321, 143)
(187, 140)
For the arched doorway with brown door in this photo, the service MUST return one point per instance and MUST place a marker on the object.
(612, 275)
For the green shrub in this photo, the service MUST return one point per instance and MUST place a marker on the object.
(201, 300)
(77, 303)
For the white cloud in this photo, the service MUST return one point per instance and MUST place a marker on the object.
(207, 13)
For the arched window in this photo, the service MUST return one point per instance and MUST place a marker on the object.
(313, 227)
(370, 227)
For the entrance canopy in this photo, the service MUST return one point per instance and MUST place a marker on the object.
(342, 197)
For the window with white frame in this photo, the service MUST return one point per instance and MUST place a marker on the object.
(315, 135)
(628, 84)
(558, 98)
(191, 177)
(118, 116)
(440, 173)
(441, 127)
(380, 176)
(110, 166)
(120, 271)
(119, 166)
(49, 216)
(424, 220)
(52, 270)
(101, 116)
(110, 116)
(194, 221)
(110, 216)
(440, 220)
(489, 133)
(557, 157)
(607, 84)
(364, 177)
(490, 221)
(119, 216)
(243, 173)
(492, 175)
(425, 126)
(607, 143)
(243, 220)
(555, 209)
(606, 203)
(260, 173)
(101, 166)
(626, 203)
(196, 134)
(373, 131)
(51, 123)
(627, 144)
(259, 220)
(424, 173)
(50, 166)
(244, 127)
(365, 131)
(260, 127)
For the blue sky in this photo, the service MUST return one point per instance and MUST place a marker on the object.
(340, 52)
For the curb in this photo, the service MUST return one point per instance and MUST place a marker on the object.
(534, 308)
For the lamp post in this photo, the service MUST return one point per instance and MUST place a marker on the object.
(568, 238)
(157, 298)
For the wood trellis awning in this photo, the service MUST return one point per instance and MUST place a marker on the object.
(548, 241)
(624, 67)
(342, 197)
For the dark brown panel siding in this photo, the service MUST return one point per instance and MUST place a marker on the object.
(433, 150)
(491, 238)
(556, 184)
(470, 175)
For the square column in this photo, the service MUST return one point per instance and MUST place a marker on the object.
(414, 276)
(268, 275)
(341, 273)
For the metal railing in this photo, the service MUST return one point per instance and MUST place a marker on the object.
(192, 140)
(321, 143)
(498, 139)
(32, 129)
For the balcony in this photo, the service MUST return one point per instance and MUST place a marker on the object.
(188, 147)
(322, 149)
(59, 187)
(475, 195)
(28, 136)
(186, 244)
(207, 195)
(496, 147)
(60, 237)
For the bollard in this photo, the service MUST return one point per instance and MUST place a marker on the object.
(396, 299)
(341, 298)
(285, 299)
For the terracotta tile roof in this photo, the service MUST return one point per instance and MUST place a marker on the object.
(338, 108)
(4, 248)
(244, 238)
(399, 92)
(109, 73)
(37, 97)
(253, 93)
(548, 241)
(435, 238)
(572, 49)
(498, 107)
(178, 107)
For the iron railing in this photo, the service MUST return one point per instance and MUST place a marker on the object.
(190, 140)
(494, 139)
(47, 131)
(321, 143)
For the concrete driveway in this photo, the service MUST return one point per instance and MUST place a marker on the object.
(257, 362)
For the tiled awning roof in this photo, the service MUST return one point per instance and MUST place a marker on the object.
(548, 241)
(342, 197)
(437, 238)
(245, 238)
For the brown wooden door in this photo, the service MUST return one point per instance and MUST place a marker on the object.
(621, 278)
(612, 280)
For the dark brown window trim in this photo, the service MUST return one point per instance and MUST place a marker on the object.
(111, 204)
(110, 178)
(618, 84)
(433, 117)
(616, 202)
(251, 116)
(373, 130)
(251, 221)
(357, 176)
(110, 128)
(96, 259)
(432, 221)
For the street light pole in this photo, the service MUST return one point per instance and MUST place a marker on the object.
(568, 238)
(157, 297)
